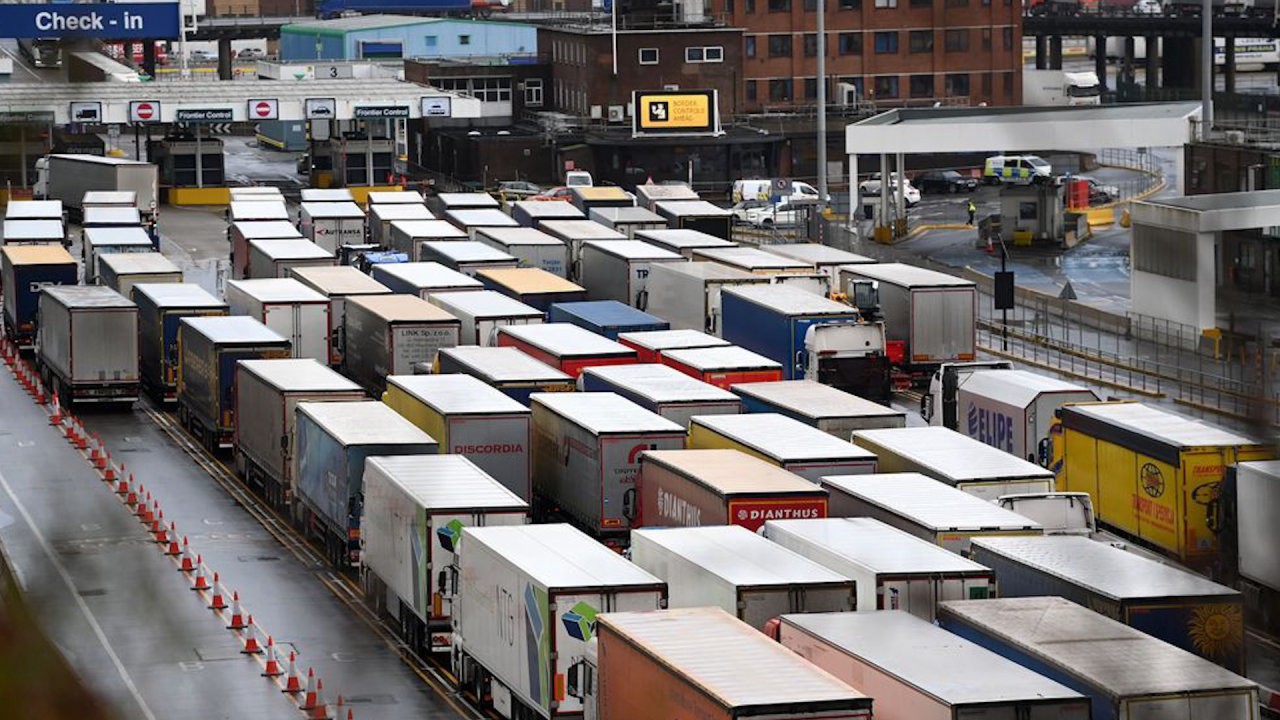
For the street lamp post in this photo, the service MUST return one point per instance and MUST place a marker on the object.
(822, 105)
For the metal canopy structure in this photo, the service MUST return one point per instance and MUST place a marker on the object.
(351, 99)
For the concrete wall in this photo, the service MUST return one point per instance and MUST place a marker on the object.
(1180, 301)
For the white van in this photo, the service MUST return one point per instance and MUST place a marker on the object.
(762, 189)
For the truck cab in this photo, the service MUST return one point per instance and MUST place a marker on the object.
(938, 406)
(581, 680)
(849, 356)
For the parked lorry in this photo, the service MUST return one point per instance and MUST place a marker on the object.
(97, 242)
(527, 603)
(333, 441)
(240, 234)
(267, 208)
(736, 570)
(24, 271)
(96, 216)
(1007, 409)
(940, 406)
(628, 220)
(782, 441)
(824, 258)
(574, 233)
(753, 260)
(590, 196)
(619, 269)
(411, 237)
(683, 242)
(650, 344)
(338, 283)
(923, 507)
(423, 278)
(332, 225)
(671, 664)
(697, 215)
(692, 488)
(512, 372)
(326, 195)
(122, 271)
(267, 393)
(917, 671)
(381, 216)
(69, 177)
(812, 337)
(465, 256)
(929, 316)
(954, 459)
(1123, 671)
(390, 334)
(471, 220)
(1058, 87)
(35, 210)
(298, 313)
(87, 344)
(35, 232)
(586, 456)
(275, 258)
(1248, 537)
(208, 349)
(832, 411)
(471, 419)
(1153, 475)
(444, 202)
(530, 247)
(566, 347)
(531, 213)
(532, 286)
(161, 307)
(689, 294)
(609, 318)
(482, 313)
(660, 389)
(414, 510)
(723, 366)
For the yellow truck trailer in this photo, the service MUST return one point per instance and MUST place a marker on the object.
(1152, 474)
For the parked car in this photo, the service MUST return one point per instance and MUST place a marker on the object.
(871, 189)
(945, 181)
(742, 209)
(562, 193)
(1099, 193)
(773, 215)
(517, 190)
(1147, 7)
(199, 56)
(251, 54)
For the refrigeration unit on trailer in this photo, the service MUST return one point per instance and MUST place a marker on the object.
(275, 258)
(122, 271)
(662, 390)
(338, 283)
(697, 215)
(894, 570)
(531, 248)
(650, 345)
(1124, 672)
(410, 237)
(832, 411)
(326, 195)
(333, 441)
(267, 393)
(736, 570)
(532, 213)
(957, 460)
(1163, 601)
(87, 344)
(790, 444)
(692, 488)
(689, 294)
(287, 306)
(465, 256)
(378, 222)
(619, 270)
(608, 318)
(917, 671)
(528, 597)
(672, 664)
(391, 334)
(576, 232)
(35, 232)
(723, 366)
(106, 241)
(332, 225)
(414, 510)
(627, 220)
(241, 234)
(1248, 536)
(586, 456)
(512, 372)
(469, 418)
(565, 347)
(824, 258)
(24, 271)
(471, 220)
(161, 307)
(95, 217)
(648, 194)
(208, 350)
(683, 242)
(923, 507)
(532, 286)
(482, 313)
(423, 278)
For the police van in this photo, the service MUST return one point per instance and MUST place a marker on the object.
(1016, 170)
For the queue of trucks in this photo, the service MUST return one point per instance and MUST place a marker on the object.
(743, 461)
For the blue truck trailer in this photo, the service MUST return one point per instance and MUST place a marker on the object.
(606, 317)
(333, 441)
(161, 307)
(24, 270)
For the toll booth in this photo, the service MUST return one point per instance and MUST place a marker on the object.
(188, 161)
(1033, 213)
(359, 160)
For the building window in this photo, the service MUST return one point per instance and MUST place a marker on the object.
(464, 39)
(849, 43)
(887, 86)
(728, 6)
(693, 55)
(986, 85)
(751, 6)
(780, 90)
(711, 54)
(850, 4)
(886, 3)
(921, 41)
(810, 88)
(751, 90)
(957, 3)
(921, 86)
(1006, 38)
(533, 92)
(749, 46)
(779, 6)
(921, 3)
(811, 45)
(779, 46)
(886, 43)
(810, 5)
(957, 85)
(1008, 86)
(986, 38)
(648, 56)
(431, 41)
(957, 40)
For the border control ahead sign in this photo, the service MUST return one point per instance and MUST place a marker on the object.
(111, 21)
(675, 112)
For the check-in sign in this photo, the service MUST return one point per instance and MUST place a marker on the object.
(688, 112)
(203, 115)
(379, 112)
(112, 21)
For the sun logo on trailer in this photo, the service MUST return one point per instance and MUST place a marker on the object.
(1216, 630)
(1152, 480)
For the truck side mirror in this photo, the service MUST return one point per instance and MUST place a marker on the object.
(1043, 451)
(799, 364)
(573, 680)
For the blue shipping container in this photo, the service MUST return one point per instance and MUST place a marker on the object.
(761, 325)
(606, 317)
(24, 296)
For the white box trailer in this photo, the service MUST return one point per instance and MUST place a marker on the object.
(465, 256)
(105, 241)
(469, 418)
(894, 569)
(257, 210)
(661, 389)
(111, 217)
(682, 241)
(390, 334)
(752, 260)
(87, 344)
(627, 220)
(35, 210)
(331, 225)
(298, 313)
(414, 510)
(917, 671)
(650, 344)
(790, 444)
(409, 236)
(823, 257)
(619, 270)
(507, 369)
(327, 195)
(266, 395)
(395, 197)
(575, 232)
(1257, 535)
(274, 258)
(256, 193)
(71, 177)
(110, 198)
(829, 409)
(121, 271)
(531, 248)
(647, 195)
(688, 294)
(957, 460)
(449, 201)
(471, 220)
(531, 213)
(482, 313)
(240, 234)
(586, 456)
(924, 507)
(34, 232)
(423, 279)
(338, 283)
(736, 570)
(527, 598)
(378, 221)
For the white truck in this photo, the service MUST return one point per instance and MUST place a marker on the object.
(285, 305)
(482, 313)
(1058, 87)
(958, 460)
(69, 177)
(688, 294)
(527, 600)
(87, 344)
(332, 225)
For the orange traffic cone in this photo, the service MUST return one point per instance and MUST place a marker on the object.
(125, 486)
(173, 550)
(158, 529)
(81, 441)
(251, 646)
(218, 601)
(55, 417)
(188, 563)
(140, 499)
(109, 474)
(202, 576)
(272, 668)
(237, 613)
(292, 680)
(309, 699)
(149, 509)
(319, 711)
(40, 398)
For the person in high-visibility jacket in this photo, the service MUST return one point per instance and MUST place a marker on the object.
(973, 210)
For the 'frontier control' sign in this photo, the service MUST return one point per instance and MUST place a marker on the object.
(111, 21)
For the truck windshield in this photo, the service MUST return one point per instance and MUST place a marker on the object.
(1084, 90)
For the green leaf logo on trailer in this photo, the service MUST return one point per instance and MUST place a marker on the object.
(538, 645)
(450, 535)
(580, 621)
